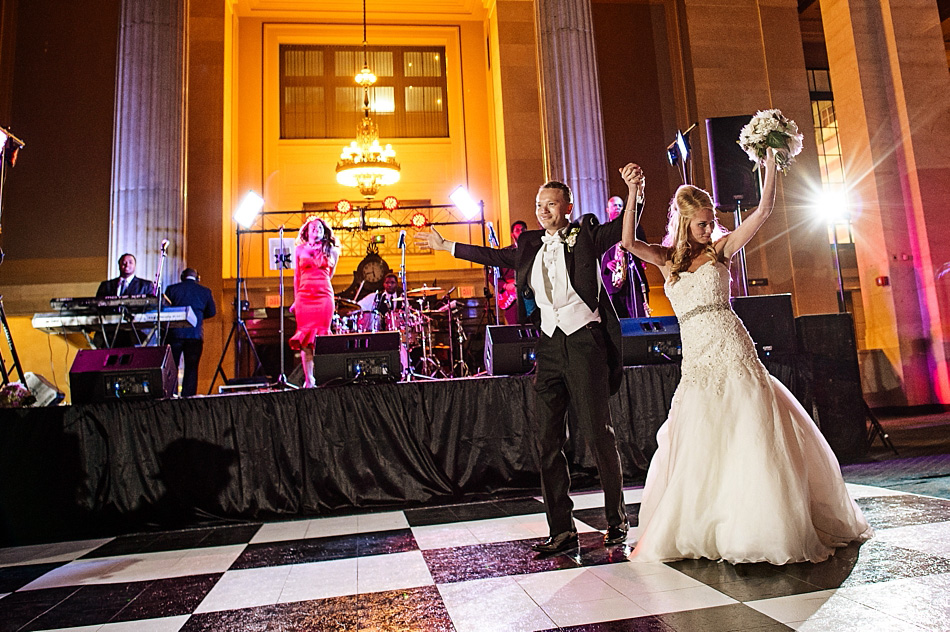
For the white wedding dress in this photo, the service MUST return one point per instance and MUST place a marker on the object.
(741, 472)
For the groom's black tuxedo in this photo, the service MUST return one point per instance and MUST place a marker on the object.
(571, 368)
(583, 269)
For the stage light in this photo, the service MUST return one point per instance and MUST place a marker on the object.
(419, 220)
(832, 205)
(390, 203)
(248, 209)
(344, 206)
(464, 202)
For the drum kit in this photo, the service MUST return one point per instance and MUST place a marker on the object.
(418, 319)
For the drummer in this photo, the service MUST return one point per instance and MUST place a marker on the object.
(382, 301)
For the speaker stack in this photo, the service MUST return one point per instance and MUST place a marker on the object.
(829, 343)
(373, 356)
(770, 320)
(732, 175)
(101, 375)
(509, 349)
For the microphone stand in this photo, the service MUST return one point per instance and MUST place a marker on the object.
(157, 287)
(281, 264)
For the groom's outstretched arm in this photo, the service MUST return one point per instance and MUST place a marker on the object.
(497, 257)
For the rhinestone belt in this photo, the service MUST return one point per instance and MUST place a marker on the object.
(702, 309)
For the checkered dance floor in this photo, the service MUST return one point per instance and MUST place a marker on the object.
(470, 568)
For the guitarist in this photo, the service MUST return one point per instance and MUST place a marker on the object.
(508, 297)
(623, 274)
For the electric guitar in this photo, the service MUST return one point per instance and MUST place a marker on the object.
(506, 298)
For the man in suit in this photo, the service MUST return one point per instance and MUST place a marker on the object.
(126, 284)
(189, 341)
(624, 275)
(558, 288)
(382, 300)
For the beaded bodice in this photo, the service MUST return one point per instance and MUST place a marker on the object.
(716, 345)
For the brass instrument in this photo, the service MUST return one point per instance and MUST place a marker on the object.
(619, 275)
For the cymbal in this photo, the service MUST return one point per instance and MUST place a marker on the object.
(425, 291)
(345, 305)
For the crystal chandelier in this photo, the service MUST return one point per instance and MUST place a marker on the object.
(364, 163)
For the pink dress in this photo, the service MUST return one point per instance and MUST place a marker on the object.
(313, 296)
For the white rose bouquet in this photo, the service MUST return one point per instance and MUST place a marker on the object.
(770, 128)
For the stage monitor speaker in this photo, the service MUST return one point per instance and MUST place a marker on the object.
(509, 349)
(100, 375)
(829, 343)
(654, 340)
(371, 356)
(770, 320)
(732, 175)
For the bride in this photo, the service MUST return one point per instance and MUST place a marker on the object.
(741, 472)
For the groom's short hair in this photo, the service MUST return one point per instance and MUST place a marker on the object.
(565, 190)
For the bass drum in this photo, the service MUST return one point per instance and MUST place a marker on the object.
(370, 322)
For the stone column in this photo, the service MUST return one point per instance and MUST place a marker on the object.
(889, 75)
(148, 157)
(570, 102)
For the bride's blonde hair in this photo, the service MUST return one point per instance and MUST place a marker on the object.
(684, 206)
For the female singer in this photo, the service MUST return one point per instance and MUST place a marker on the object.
(315, 256)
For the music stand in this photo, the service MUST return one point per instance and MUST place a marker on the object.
(244, 216)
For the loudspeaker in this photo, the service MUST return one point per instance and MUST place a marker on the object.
(351, 356)
(828, 341)
(653, 340)
(509, 349)
(100, 375)
(770, 321)
(731, 168)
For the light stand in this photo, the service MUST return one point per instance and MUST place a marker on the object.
(842, 303)
(244, 216)
(9, 146)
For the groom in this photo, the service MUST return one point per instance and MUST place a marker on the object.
(557, 271)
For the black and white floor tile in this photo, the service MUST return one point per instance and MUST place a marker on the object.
(470, 568)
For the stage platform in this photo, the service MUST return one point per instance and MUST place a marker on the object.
(116, 467)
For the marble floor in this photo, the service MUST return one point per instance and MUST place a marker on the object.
(470, 568)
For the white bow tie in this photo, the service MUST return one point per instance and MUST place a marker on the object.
(551, 240)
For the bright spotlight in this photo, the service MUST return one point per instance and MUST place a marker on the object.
(247, 210)
(464, 202)
(832, 205)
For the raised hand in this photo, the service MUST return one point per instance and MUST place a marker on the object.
(432, 239)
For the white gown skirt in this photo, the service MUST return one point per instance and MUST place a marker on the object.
(744, 475)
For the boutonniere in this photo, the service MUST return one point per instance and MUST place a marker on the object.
(571, 238)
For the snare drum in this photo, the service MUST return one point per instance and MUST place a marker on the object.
(410, 326)
(370, 322)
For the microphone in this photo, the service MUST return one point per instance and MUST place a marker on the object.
(402, 239)
(164, 245)
(492, 238)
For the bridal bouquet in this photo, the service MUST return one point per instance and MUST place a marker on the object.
(770, 128)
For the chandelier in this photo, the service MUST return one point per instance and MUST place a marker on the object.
(364, 163)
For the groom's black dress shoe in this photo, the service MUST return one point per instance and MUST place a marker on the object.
(557, 543)
(616, 535)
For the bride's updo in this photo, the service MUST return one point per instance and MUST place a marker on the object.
(687, 201)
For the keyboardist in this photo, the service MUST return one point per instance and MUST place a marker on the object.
(126, 284)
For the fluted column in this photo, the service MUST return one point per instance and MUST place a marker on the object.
(570, 102)
(148, 156)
